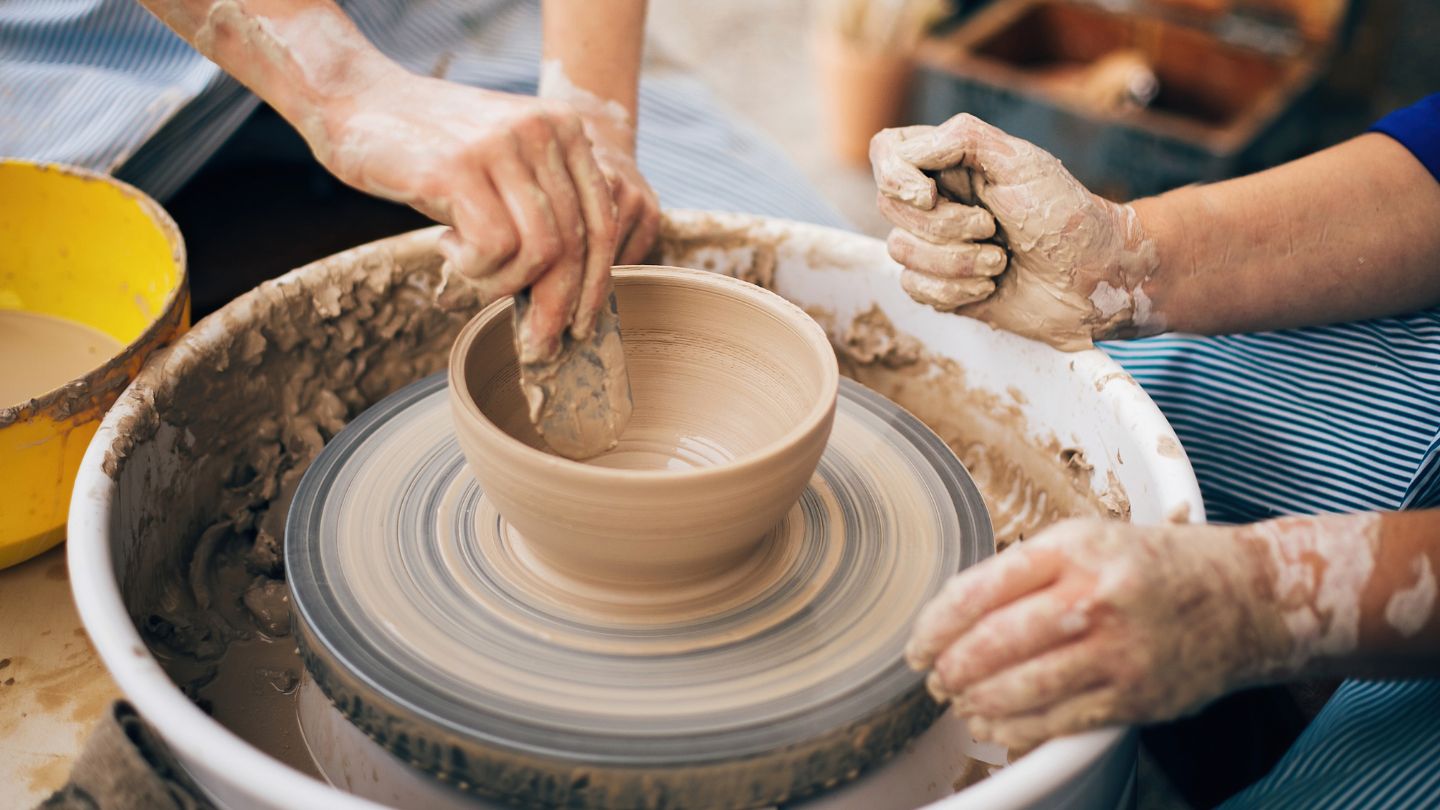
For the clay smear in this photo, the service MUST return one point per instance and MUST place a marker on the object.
(1319, 574)
(1026, 485)
(1409, 610)
(39, 353)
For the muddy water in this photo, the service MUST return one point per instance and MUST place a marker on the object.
(39, 353)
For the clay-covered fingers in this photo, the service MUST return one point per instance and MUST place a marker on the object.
(598, 207)
(946, 222)
(1089, 710)
(946, 294)
(1039, 682)
(641, 238)
(637, 208)
(482, 237)
(555, 293)
(541, 247)
(961, 141)
(895, 176)
(638, 212)
(947, 260)
(971, 594)
(1010, 636)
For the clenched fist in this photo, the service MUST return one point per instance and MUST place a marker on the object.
(995, 228)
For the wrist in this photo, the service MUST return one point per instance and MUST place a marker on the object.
(303, 61)
(1265, 646)
(1158, 222)
(1308, 582)
(341, 124)
(1127, 306)
(608, 134)
(609, 123)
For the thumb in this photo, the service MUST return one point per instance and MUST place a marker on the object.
(896, 177)
(964, 141)
(939, 149)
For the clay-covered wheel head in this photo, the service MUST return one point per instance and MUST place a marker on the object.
(734, 390)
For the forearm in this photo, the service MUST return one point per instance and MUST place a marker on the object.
(303, 57)
(1348, 233)
(1356, 593)
(592, 57)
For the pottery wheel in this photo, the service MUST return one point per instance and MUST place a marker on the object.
(427, 622)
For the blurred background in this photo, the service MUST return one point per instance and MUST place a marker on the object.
(1135, 96)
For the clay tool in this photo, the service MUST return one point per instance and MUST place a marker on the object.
(580, 401)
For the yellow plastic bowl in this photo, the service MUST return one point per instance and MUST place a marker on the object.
(89, 248)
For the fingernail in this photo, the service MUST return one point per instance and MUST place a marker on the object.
(936, 688)
(915, 656)
(979, 728)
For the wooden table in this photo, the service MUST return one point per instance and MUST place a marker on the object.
(52, 685)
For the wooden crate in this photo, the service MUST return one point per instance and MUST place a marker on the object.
(1233, 90)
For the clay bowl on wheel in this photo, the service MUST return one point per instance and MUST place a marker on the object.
(734, 391)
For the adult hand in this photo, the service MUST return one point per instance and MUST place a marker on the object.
(1095, 623)
(995, 228)
(637, 207)
(515, 178)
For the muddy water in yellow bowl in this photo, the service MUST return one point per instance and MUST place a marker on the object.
(43, 352)
(92, 280)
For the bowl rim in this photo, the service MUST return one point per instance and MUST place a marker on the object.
(807, 329)
(170, 316)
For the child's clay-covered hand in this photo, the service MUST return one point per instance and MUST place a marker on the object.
(1094, 623)
(516, 179)
(995, 228)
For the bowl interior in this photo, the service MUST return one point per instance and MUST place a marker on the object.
(719, 371)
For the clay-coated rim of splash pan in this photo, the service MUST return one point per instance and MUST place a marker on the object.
(492, 746)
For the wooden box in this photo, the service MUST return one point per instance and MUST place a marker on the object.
(1233, 83)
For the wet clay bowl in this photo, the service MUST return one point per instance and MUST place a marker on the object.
(734, 391)
(83, 251)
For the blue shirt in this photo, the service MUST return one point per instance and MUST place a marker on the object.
(1417, 128)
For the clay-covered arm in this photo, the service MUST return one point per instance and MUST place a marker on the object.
(304, 57)
(1347, 233)
(1094, 623)
(592, 56)
(515, 177)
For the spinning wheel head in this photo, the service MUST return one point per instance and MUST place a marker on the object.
(434, 627)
